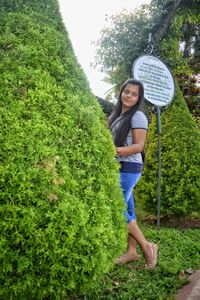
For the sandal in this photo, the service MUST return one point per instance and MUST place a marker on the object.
(125, 259)
(150, 264)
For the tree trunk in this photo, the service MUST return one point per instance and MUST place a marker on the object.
(160, 31)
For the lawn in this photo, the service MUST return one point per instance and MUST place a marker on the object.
(179, 254)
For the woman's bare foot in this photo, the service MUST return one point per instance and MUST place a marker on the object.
(126, 258)
(151, 255)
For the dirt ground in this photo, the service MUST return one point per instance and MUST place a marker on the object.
(175, 222)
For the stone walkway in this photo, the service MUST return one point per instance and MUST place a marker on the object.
(191, 291)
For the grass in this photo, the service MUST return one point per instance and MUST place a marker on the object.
(179, 250)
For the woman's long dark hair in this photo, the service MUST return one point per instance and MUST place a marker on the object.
(125, 123)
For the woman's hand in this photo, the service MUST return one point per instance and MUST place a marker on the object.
(118, 151)
(138, 136)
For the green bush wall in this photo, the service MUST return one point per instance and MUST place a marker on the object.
(61, 218)
(180, 146)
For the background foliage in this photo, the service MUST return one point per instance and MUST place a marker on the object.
(180, 146)
(61, 218)
(126, 37)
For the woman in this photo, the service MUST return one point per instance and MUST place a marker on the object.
(129, 125)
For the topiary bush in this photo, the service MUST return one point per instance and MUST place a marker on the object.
(61, 218)
(180, 181)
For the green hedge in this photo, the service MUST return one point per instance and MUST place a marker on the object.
(180, 146)
(61, 218)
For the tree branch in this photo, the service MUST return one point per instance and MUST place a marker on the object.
(159, 31)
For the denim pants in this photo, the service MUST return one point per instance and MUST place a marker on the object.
(128, 182)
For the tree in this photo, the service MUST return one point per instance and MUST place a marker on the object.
(127, 38)
(61, 218)
(106, 106)
(120, 43)
(184, 34)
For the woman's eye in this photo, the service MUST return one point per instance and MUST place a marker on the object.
(126, 92)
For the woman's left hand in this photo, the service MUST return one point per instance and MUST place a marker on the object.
(118, 151)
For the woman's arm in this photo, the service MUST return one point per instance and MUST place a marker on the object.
(139, 137)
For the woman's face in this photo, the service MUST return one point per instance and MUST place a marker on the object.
(129, 96)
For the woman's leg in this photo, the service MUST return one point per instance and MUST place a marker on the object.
(131, 251)
(150, 250)
(128, 182)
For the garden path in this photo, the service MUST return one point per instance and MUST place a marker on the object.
(191, 291)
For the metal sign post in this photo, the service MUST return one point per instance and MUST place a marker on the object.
(159, 91)
(159, 165)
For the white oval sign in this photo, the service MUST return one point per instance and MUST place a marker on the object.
(156, 78)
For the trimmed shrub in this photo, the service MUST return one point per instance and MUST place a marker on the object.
(61, 218)
(180, 181)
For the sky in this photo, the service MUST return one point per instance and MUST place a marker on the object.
(84, 20)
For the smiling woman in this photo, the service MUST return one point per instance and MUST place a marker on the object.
(129, 126)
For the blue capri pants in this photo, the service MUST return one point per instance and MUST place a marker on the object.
(128, 182)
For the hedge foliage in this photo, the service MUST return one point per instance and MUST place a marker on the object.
(61, 218)
(180, 146)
